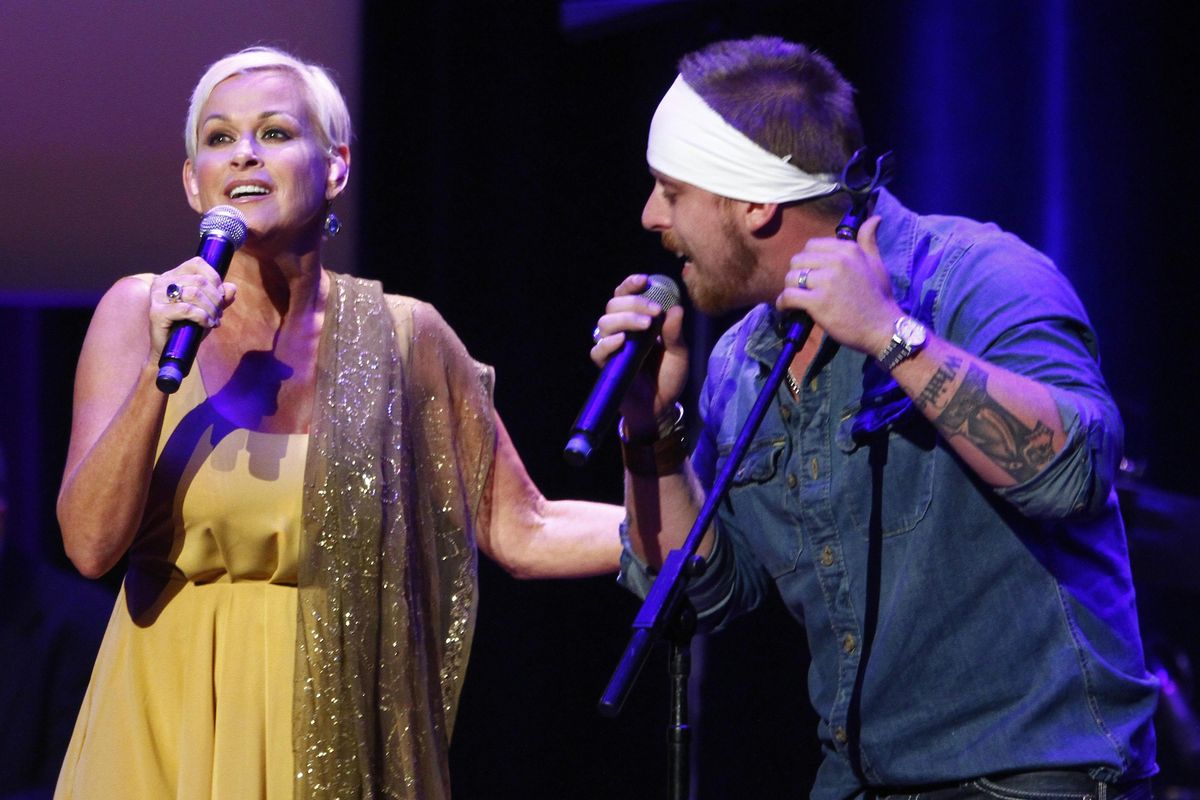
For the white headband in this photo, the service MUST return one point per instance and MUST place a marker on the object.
(692, 143)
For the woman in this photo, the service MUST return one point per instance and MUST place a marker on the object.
(301, 517)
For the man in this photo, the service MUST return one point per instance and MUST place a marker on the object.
(932, 489)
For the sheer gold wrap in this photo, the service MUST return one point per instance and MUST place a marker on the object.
(400, 454)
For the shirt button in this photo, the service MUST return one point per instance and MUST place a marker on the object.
(812, 385)
(839, 735)
(814, 468)
(827, 556)
(791, 481)
(848, 643)
(786, 412)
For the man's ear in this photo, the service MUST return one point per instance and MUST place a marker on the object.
(191, 187)
(761, 219)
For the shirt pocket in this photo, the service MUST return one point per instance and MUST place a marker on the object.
(756, 509)
(907, 445)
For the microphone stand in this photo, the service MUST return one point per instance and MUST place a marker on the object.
(666, 611)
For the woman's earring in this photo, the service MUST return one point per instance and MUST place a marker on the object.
(333, 225)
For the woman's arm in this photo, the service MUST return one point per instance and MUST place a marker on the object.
(114, 430)
(118, 410)
(532, 537)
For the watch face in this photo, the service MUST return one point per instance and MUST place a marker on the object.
(911, 331)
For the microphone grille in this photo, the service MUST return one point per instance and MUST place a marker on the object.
(226, 219)
(662, 290)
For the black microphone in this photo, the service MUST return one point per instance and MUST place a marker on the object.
(602, 404)
(222, 230)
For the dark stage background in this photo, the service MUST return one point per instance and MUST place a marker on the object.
(500, 174)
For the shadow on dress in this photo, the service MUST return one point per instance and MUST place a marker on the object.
(250, 396)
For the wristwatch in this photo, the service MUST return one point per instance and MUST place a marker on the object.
(907, 340)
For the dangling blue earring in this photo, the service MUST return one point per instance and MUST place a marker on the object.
(333, 225)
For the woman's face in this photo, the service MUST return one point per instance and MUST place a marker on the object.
(259, 151)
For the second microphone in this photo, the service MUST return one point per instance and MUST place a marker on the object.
(600, 409)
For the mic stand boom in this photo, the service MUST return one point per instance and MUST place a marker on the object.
(666, 610)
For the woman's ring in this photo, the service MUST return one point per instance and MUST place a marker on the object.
(802, 279)
(596, 335)
(174, 293)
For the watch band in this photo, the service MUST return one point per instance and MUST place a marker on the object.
(896, 351)
(908, 337)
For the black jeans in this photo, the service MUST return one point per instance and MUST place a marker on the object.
(1039, 785)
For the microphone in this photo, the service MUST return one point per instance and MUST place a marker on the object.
(222, 231)
(601, 406)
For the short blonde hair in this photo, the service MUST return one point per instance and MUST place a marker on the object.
(325, 101)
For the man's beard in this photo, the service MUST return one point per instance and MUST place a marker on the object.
(723, 286)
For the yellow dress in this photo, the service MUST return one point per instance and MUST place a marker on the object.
(192, 692)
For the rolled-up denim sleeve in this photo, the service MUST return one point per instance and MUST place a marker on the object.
(709, 593)
(635, 575)
(1077, 481)
(1009, 304)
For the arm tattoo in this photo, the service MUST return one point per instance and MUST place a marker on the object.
(1019, 450)
(936, 387)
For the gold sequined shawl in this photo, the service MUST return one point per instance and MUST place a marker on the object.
(400, 453)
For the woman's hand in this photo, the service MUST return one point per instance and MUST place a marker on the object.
(192, 291)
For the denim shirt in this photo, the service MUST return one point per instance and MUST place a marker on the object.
(1005, 634)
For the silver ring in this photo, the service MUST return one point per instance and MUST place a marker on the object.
(596, 335)
(174, 293)
(802, 279)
